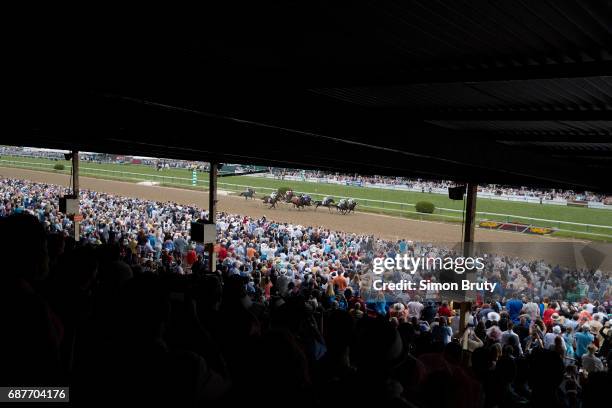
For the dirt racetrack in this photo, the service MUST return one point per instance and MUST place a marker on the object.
(555, 250)
(383, 226)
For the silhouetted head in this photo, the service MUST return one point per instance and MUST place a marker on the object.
(377, 348)
(551, 364)
(146, 307)
(505, 370)
(452, 353)
(24, 243)
(339, 330)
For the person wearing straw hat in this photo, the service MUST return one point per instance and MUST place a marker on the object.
(590, 362)
(558, 319)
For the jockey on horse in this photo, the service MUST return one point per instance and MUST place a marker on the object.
(350, 205)
(342, 205)
(272, 199)
(249, 193)
(326, 202)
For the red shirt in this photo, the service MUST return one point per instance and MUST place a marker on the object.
(267, 288)
(191, 256)
(354, 299)
(222, 253)
(445, 311)
(547, 316)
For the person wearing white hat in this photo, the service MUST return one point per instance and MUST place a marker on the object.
(493, 316)
(549, 337)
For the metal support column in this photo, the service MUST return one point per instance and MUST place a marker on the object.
(470, 213)
(212, 212)
(75, 193)
(468, 248)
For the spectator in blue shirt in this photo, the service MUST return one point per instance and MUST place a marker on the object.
(541, 309)
(169, 245)
(327, 248)
(514, 307)
(583, 339)
(152, 240)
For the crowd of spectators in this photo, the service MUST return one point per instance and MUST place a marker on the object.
(337, 177)
(436, 185)
(287, 318)
(152, 230)
(550, 194)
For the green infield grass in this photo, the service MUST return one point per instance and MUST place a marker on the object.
(392, 202)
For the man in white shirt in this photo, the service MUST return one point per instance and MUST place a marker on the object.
(415, 308)
(549, 338)
(533, 309)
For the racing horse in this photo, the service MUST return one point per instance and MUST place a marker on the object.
(249, 193)
(351, 206)
(271, 200)
(306, 199)
(329, 204)
(299, 202)
(289, 194)
(346, 206)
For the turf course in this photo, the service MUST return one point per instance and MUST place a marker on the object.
(369, 198)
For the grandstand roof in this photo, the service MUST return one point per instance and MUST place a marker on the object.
(513, 92)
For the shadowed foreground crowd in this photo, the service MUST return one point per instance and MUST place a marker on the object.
(80, 315)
